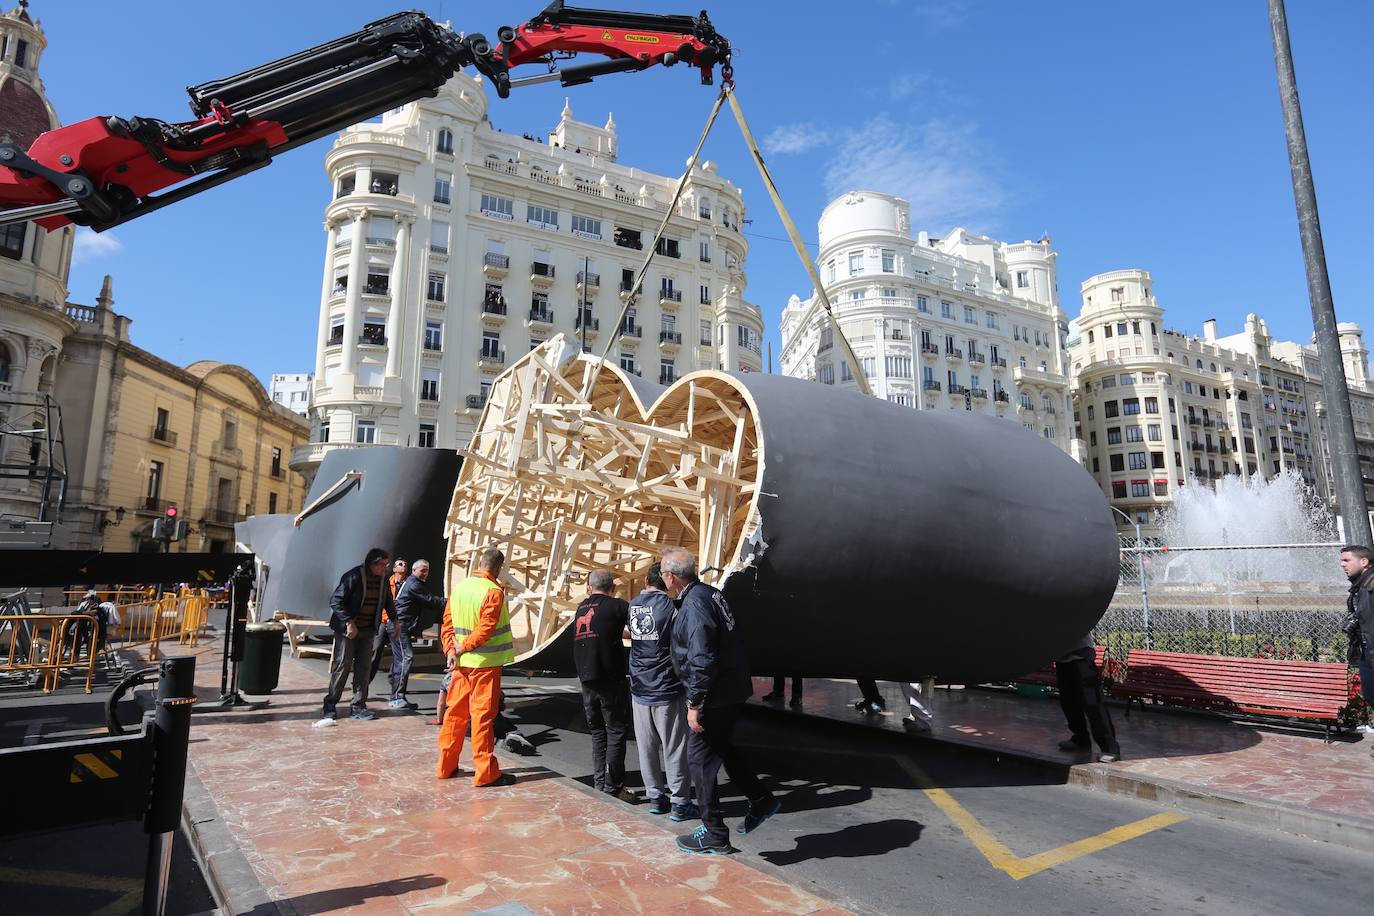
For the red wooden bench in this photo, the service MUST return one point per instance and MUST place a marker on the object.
(1252, 686)
(1045, 676)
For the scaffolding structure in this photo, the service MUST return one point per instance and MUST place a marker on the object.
(33, 448)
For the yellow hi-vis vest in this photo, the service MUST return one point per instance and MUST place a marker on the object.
(465, 601)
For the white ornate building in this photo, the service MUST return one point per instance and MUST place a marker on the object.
(964, 323)
(1155, 408)
(453, 248)
(292, 390)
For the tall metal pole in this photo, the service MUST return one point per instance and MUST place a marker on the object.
(1345, 463)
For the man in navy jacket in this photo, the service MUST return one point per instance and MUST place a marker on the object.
(708, 656)
(355, 617)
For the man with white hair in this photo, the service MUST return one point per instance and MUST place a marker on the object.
(412, 598)
(708, 656)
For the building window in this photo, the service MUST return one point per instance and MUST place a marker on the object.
(668, 248)
(705, 294)
(498, 207)
(856, 262)
(1109, 409)
(1114, 435)
(1155, 433)
(434, 291)
(12, 240)
(324, 431)
(586, 227)
(747, 338)
(429, 385)
(276, 462)
(1161, 488)
(491, 345)
(444, 143)
(365, 432)
(923, 305)
(829, 270)
(438, 237)
(1130, 406)
(426, 437)
(1140, 488)
(21, 53)
(946, 309)
(856, 295)
(969, 317)
(434, 336)
(1137, 461)
(541, 216)
(889, 261)
(900, 367)
(1134, 434)
(1118, 489)
(1116, 462)
(1152, 405)
(992, 320)
(271, 504)
(627, 362)
(705, 338)
(1022, 280)
(443, 188)
(154, 483)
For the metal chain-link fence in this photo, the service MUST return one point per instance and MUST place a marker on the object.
(1271, 601)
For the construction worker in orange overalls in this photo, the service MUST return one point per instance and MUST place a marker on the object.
(481, 629)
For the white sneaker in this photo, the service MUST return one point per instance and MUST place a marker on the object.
(326, 722)
(1365, 729)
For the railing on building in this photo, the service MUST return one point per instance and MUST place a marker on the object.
(163, 434)
(930, 385)
(490, 355)
(476, 401)
(670, 337)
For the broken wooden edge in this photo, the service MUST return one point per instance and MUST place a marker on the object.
(576, 465)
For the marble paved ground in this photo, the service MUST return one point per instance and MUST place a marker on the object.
(1290, 767)
(351, 819)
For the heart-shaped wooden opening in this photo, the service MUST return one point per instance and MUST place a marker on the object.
(570, 470)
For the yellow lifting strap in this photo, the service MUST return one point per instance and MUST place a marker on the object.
(821, 300)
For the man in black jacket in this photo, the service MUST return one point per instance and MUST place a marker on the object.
(600, 658)
(1358, 565)
(355, 617)
(412, 599)
(708, 656)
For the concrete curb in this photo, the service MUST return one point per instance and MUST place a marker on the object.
(1100, 777)
(232, 881)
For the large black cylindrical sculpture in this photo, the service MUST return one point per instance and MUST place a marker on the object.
(853, 537)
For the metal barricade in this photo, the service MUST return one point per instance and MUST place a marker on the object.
(48, 645)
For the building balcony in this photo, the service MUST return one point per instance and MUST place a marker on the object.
(977, 359)
(1039, 376)
(593, 326)
(227, 454)
(494, 312)
(957, 389)
(979, 393)
(930, 349)
(1211, 449)
(495, 266)
(667, 377)
(371, 340)
(930, 385)
(999, 362)
(152, 505)
(377, 241)
(1194, 421)
(381, 290)
(1002, 396)
(669, 298)
(1050, 409)
(474, 402)
(671, 339)
(1195, 446)
(491, 358)
(541, 275)
(163, 435)
(540, 317)
(954, 354)
(632, 330)
(225, 517)
(277, 472)
(588, 280)
(439, 250)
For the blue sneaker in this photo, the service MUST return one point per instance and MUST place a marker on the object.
(699, 843)
(757, 814)
(363, 715)
(659, 804)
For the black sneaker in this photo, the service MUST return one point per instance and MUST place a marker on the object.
(687, 812)
(795, 702)
(505, 779)
(698, 842)
(626, 795)
(757, 814)
(861, 705)
(773, 697)
(659, 805)
(1069, 744)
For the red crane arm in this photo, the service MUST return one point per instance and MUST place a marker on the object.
(104, 171)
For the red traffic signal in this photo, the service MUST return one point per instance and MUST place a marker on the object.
(171, 511)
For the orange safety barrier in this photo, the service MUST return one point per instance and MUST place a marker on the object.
(49, 644)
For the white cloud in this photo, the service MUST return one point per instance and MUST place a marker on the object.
(904, 85)
(90, 245)
(936, 166)
(790, 139)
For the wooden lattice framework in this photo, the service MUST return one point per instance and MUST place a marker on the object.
(569, 471)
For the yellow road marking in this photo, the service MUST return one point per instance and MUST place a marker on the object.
(1001, 857)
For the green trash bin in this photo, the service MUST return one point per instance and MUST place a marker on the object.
(261, 665)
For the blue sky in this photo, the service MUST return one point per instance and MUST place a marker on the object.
(1137, 135)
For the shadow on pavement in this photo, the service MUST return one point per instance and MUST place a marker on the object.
(342, 898)
(856, 841)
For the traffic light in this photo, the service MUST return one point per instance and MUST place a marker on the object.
(169, 527)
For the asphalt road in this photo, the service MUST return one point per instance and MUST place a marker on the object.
(887, 823)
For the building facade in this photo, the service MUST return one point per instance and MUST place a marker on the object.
(99, 436)
(960, 323)
(1155, 408)
(454, 248)
(292, 391)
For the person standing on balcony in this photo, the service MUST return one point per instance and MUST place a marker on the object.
(1358, 565)
(356, 609)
